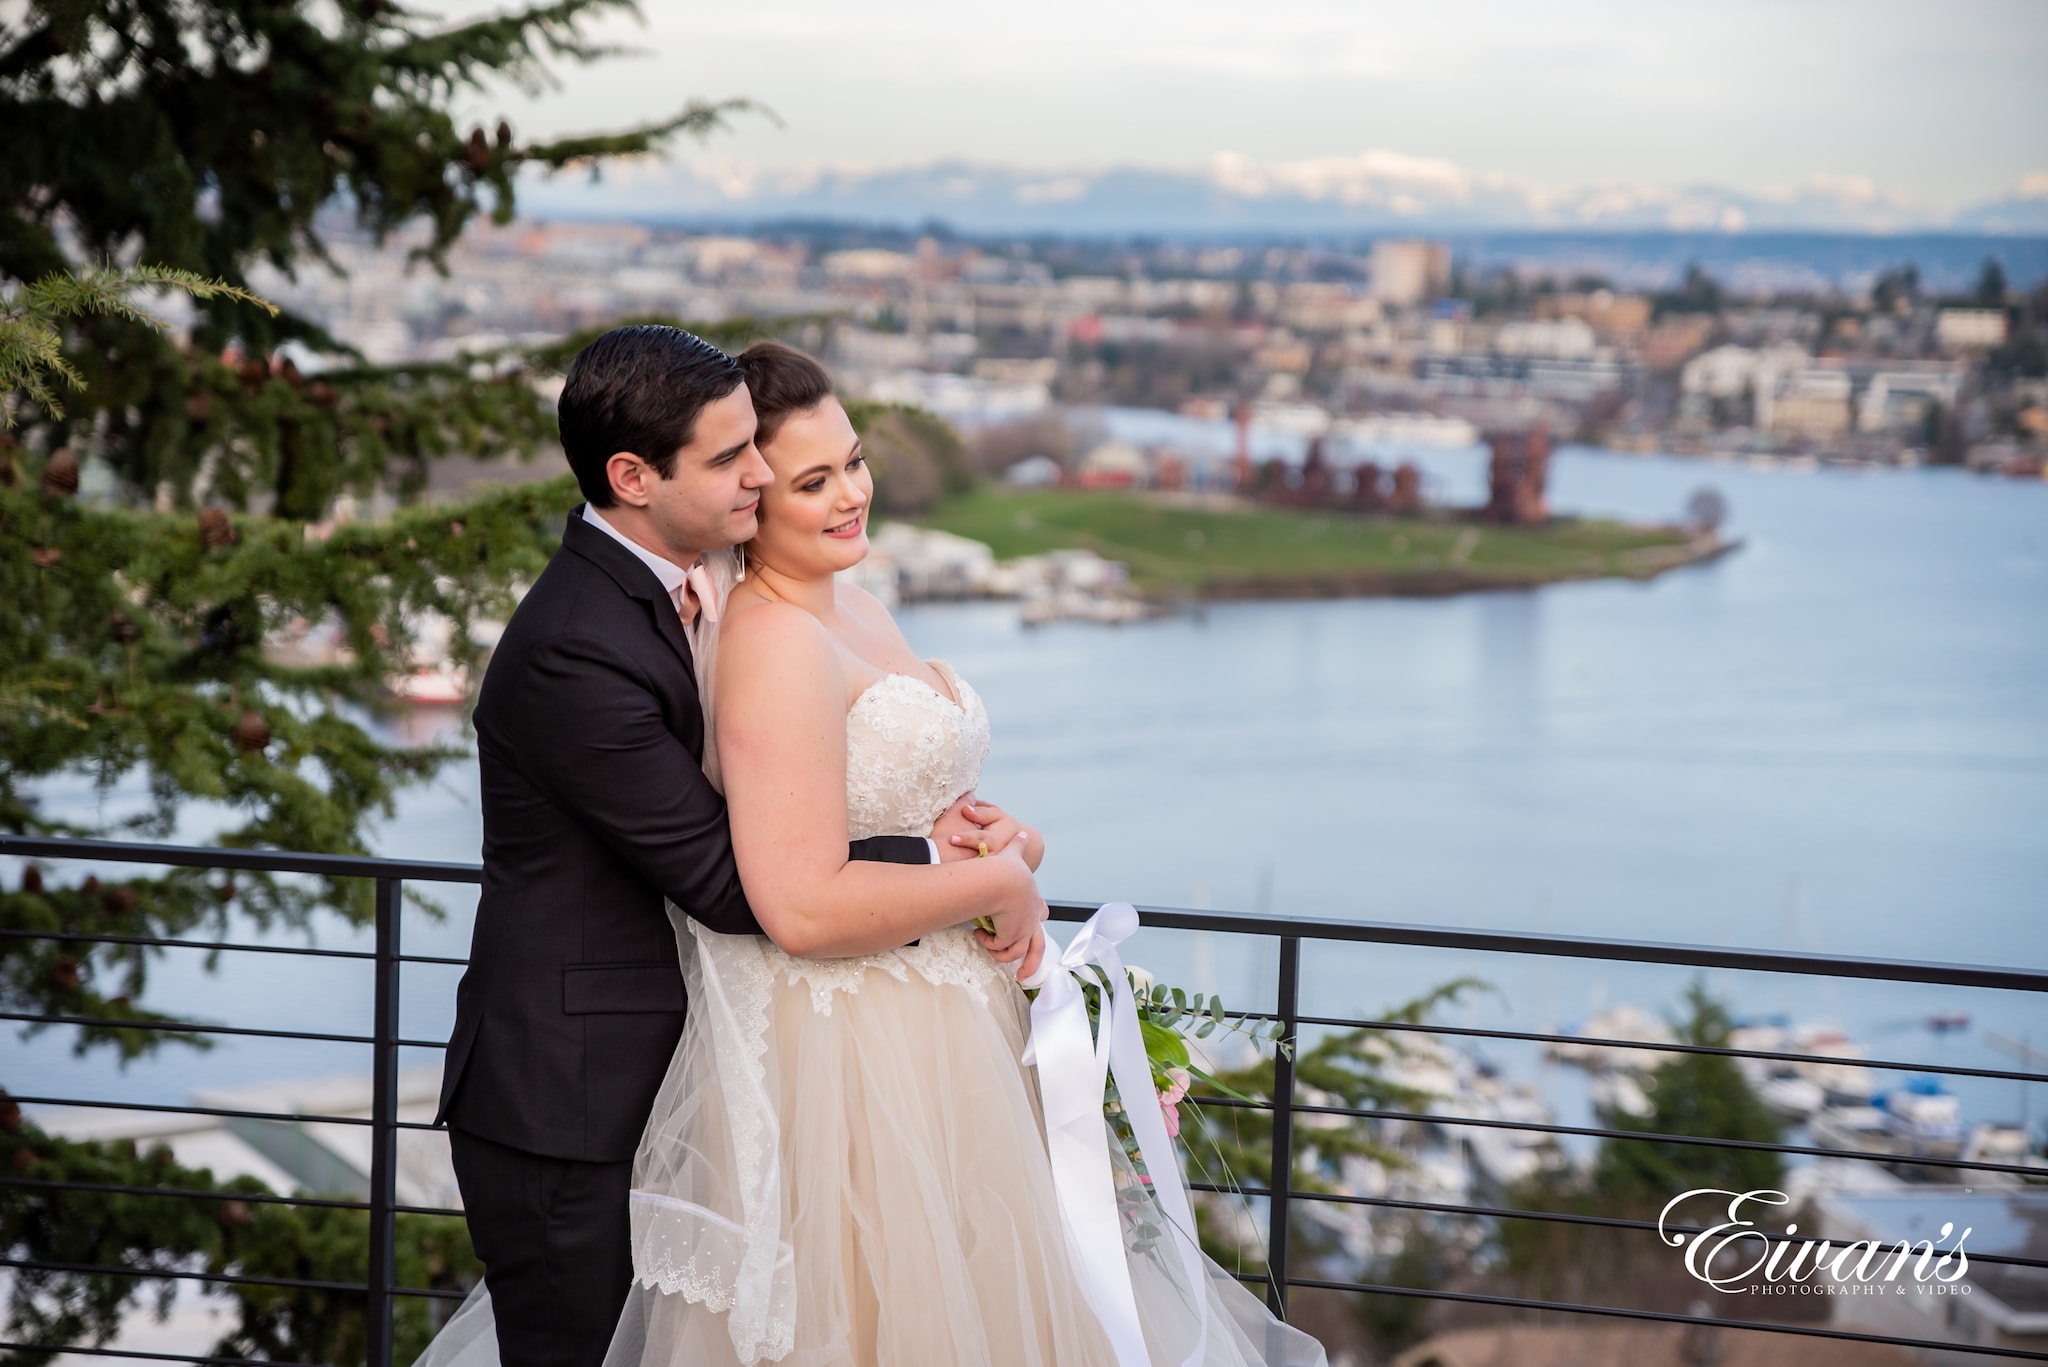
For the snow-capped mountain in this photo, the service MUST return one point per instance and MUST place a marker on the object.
(1376, 190)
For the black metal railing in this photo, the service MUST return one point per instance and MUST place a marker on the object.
(380, 1288)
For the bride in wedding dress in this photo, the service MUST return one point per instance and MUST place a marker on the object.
(847, 1161)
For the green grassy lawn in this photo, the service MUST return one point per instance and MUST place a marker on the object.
(1172, 548)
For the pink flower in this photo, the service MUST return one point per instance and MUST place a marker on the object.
(1172, 1114)
(1178, 1079)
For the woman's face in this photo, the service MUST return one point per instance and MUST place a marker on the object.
(814, 515)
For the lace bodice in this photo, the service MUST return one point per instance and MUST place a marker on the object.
(911, 753)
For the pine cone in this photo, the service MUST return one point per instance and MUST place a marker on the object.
(478, 153)
(214, 528)
(251, 732)
(289, 373)
(124, 629)
(199, 405)
(10, 1115)
(253, 373)
(24, 1159)
(234, 1214)
(91, 885)
(9, 476)
(119, 900)
(64, 974)
(226, 891)
(60, 476)
(323, 394)
(46, 556)
(31, 879)
(504, 135)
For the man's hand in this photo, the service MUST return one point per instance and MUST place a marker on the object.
(972, 823)
(1018, 914)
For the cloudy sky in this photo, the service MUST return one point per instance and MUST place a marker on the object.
(1944, 102)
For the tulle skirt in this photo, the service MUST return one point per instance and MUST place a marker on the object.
(921, 1223)
(846, 1167)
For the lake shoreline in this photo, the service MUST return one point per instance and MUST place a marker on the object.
(1642, 565)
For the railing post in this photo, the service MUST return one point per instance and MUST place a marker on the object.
(383, 1271)
(1282, 1185)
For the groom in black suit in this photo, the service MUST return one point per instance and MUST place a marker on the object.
(590, 738)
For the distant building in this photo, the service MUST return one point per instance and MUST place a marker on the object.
(1517, 475)
(1114, 465)
(1900, 400)
(1033, 472)
(1725, 372)
(1409, 270)
(1992, 1305)
(1559, 338)
(1964, 329)
(869, 263)
(1811, 405)
(1603, 310)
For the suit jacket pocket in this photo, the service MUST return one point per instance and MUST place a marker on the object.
(602, 989)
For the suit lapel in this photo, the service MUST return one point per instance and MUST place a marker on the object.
(635, 578)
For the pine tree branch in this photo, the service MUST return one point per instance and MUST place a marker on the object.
(502, 46)
(698, 119)
(32, 347)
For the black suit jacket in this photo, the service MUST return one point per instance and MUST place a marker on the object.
(590, 739)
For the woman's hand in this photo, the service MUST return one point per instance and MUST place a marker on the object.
(985, 823)
(1018, 915)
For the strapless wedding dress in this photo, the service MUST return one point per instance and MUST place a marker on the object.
(846, 1164)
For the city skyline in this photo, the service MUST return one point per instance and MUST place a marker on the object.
(1919, 109)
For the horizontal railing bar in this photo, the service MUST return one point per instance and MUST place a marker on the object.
(1566, 1217)
(1662, 1317)
(1673, 1048)
(186, 1193)
(284, 1117)
(253, 861)
(1173, 918)
(1601, 1132)
(201, 1359)
(145, 1273)
(1582, 947)
(421, 1043)
(265, 1198)
(152, 942)
(429, 959)
(1541, 1216)
(189, 1027)
(1655, 1137)
(433, 1292)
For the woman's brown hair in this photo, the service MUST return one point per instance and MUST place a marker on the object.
(783, 383)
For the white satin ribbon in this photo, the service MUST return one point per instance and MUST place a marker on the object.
(1072, 1067)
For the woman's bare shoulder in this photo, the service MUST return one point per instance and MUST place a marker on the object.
(867, 610)
(756, 632)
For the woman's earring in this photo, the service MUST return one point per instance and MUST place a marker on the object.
(743, 563)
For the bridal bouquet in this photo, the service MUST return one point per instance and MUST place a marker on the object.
(1170, 1020)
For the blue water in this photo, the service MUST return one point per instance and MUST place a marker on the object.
(1835, 739)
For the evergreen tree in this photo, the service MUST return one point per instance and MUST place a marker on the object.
(1991, 287)
(180, 143)
(1701, 1095)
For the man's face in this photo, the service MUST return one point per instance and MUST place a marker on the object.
(711, 499)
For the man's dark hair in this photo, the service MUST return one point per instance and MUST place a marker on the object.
(782, 382)
(638, 389)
